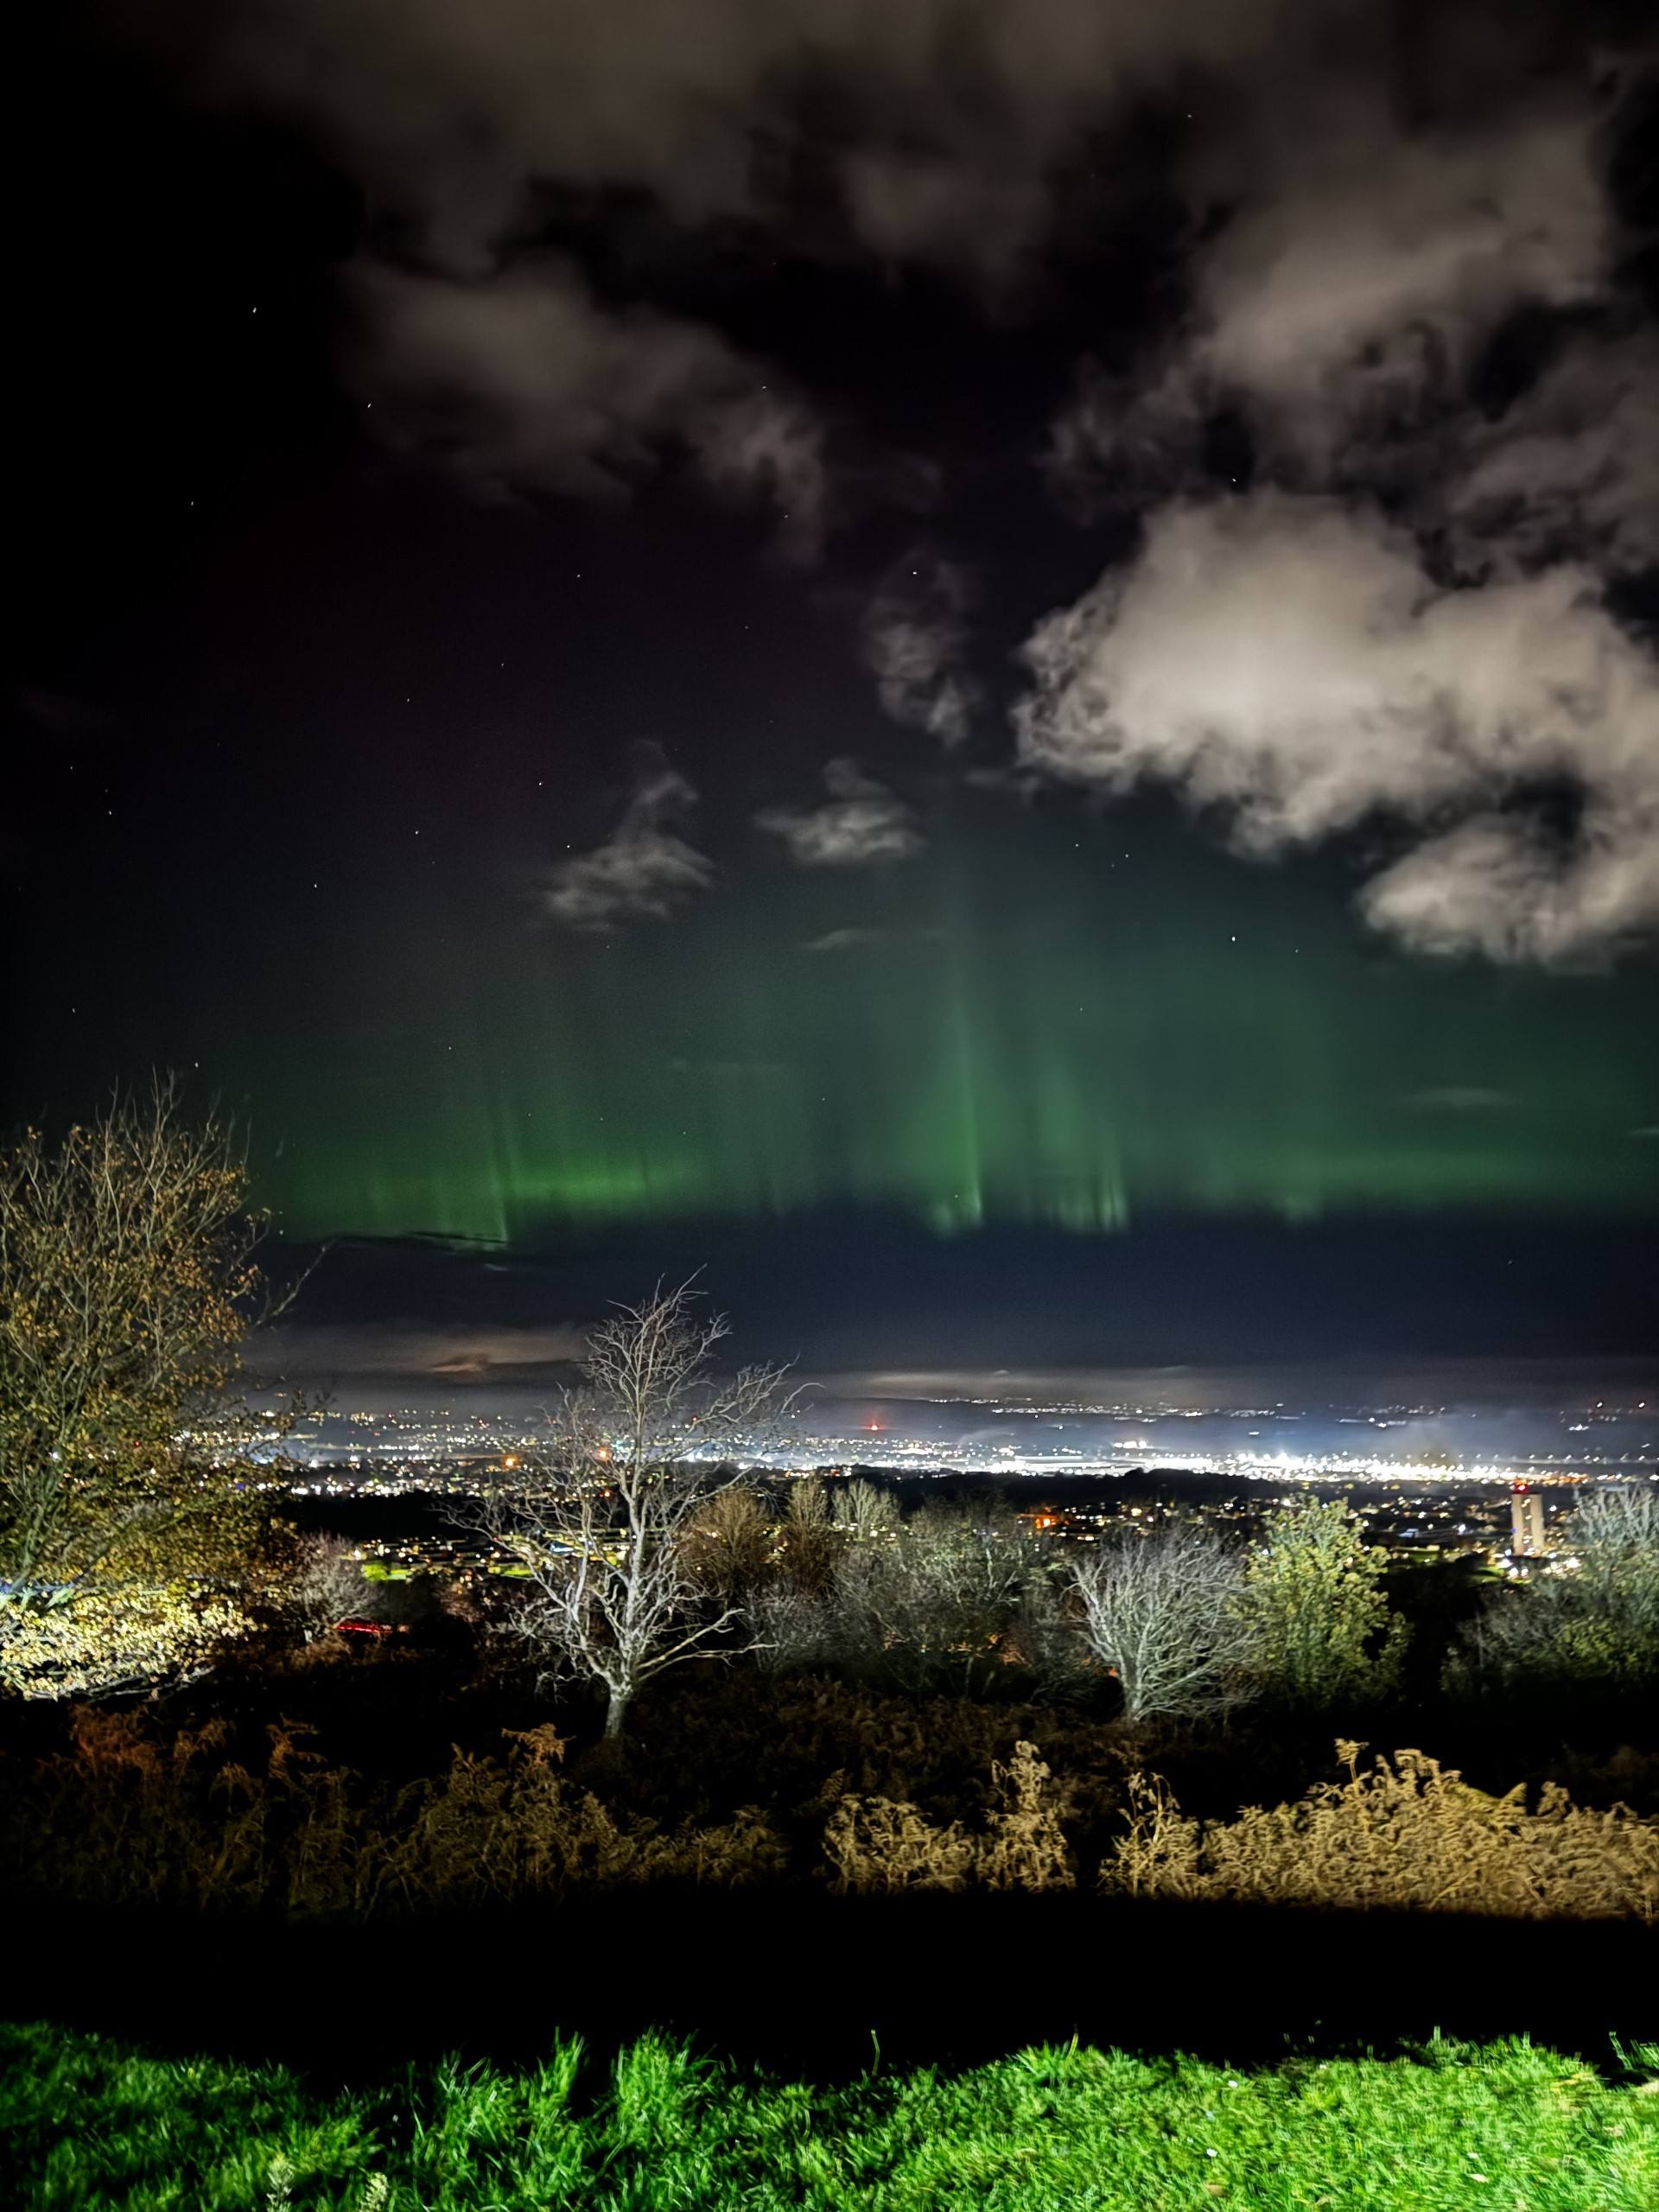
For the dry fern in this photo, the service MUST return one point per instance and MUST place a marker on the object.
(1404, 1834)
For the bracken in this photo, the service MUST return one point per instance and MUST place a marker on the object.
(1405, 1833)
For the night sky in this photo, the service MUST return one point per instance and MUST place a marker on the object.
(993, 666)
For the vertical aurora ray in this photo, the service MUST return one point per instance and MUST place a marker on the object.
(1029, 1024)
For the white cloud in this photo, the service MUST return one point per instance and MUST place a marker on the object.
(1289, 664)
(914, 638)
(862, 824)
(1494, 886)
(1294, 662)
(1377, 261)
(1344, 296)
(644, 869)
(860, 936)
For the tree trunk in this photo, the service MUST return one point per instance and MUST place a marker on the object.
(615, 1712)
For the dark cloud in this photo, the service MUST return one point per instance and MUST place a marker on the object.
(926, 131)
(420, 1352)
(1368, 262)
(1571, 466)
(1363, 221)
(915, 636)
(59, 714)
(521, 378)
(948, 114)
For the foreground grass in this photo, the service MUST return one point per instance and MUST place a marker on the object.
(85, 2123)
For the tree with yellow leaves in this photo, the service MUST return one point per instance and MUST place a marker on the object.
(128, 1282)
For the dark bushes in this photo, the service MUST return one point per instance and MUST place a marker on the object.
(126, 1816)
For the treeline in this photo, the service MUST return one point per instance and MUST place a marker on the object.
(636, 1558)
(1174, 1623)
(128, 1815)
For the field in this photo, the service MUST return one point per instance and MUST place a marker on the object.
(93, 2123)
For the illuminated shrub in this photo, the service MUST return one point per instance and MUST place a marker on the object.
(1404, 1834)
(874, 1845)
(1024, 1846)
(112, 1638)
(124, 1815)
(1312, 1613)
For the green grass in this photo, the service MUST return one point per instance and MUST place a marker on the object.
(86, 2124)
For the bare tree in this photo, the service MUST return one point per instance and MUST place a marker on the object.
(601, 1523)
(325, 1587)
(1597, 1623)
(794, 1628)
(931, 1599)
(1162, 1614)
(866, 1510)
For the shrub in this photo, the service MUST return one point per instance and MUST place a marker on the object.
(125, 1816)
(1024, 1846)
(121, 1818)
(1313, 1608)
(1597, 1626)
(932, 1602)
(875, 1845)
(1404, 1834)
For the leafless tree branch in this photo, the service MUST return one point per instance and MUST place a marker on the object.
(1161, 1613)
(598, 1523)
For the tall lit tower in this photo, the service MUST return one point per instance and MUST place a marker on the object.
(1527, 1521)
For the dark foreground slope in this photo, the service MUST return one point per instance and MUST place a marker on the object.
(814, 1982)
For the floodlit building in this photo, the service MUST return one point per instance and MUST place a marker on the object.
(1526, 1521)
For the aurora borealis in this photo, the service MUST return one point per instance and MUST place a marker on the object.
(1026, 1031)
(868, 641)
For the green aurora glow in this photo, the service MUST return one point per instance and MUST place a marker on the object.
(1049, 1017)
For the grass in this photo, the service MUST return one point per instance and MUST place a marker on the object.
(86, 2124)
